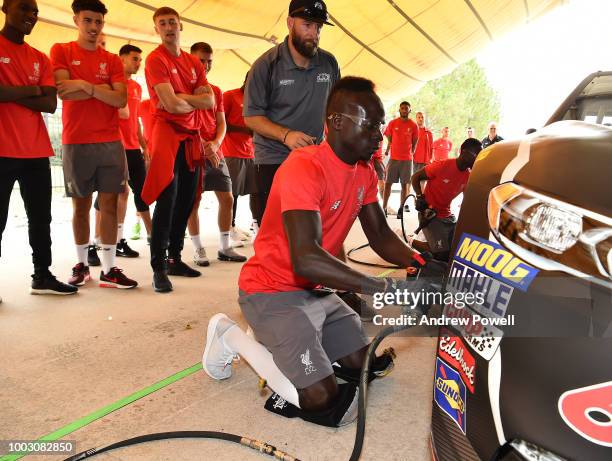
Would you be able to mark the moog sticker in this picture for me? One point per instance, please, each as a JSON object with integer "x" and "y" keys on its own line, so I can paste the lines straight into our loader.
{"x": 495, "y": 261}
{"x": 449, "y": 393}
{"x": 588, "y": 412}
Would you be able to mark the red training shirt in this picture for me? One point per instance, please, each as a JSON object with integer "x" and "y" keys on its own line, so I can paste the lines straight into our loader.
{"x": 235, "y": 144}
{"x": 208, "y": 117}
{"x": 422, "y": 152}
{"x": 312, "y": 178}
{"x": 22, "y": 131}
{"x": 146, "y": 115}
{"x": 445, "y": 183}
{"x": 441, "y": 148}
{"x": 378, "y": 154}
{"x": 185, "y": 73}
{"x": 129, "y": 126}
{"x": 91, "y": 120}
{"x": 402, "y": 134}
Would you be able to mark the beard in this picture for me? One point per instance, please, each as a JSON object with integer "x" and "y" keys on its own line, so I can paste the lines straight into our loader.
{"x": 306, "y": 49}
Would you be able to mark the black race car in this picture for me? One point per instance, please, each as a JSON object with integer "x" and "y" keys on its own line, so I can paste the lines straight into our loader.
{"x": 526, "y": 372}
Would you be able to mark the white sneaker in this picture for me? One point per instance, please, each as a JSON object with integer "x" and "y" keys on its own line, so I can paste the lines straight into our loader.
{"x": 217, "y": 358}
{"x": 237, "y": 235}
{"x": 200, "y": 258}
{"x": 244, "y": 232}
{"x": 236, "y": 240}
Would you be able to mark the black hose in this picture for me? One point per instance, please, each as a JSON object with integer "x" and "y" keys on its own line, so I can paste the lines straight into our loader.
{"x": 257, "y": 445}
{"x": 363, "y": 388}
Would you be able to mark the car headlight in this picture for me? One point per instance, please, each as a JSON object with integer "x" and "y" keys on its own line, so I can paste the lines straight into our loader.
{"x": 550, "y": 234}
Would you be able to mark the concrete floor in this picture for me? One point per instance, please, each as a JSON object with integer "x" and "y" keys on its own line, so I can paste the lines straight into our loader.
{"x": 65, "y": 357}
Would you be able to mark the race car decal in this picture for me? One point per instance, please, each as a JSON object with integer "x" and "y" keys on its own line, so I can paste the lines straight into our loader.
{"x": 484, "y": 339}
{"x": 449, "y": 393}
{"x": 495, "y": 261}
{"x": 495, "y": 294}
{"x": 588, "y": 412}
{"x": 453, "y": 350}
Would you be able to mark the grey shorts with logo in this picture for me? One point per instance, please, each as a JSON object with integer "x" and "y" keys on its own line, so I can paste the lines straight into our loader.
{"x": 306, "y": 331}
{"x": 439, "y": 233}
{"x": 399, "y": 171}
{"x": 94, "y": 167}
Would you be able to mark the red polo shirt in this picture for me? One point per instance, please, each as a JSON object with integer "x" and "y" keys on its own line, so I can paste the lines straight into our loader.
{"x": 236, "y": 144}
{"x": 312, "y": 178}
{"x": 129, "y": 126}
{"x": 445, "y": 183}
{"x": 185, "y": 73}
{"x": 23, "y": 133}
{"x": 441, "y": 148}
{"x": 402, "y": 134}
{"x": 423, "y": 151}
{"x": 91, "y": 120}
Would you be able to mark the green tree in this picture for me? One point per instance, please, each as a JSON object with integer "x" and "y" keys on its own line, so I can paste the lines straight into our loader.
{"x": 457, "y": 100}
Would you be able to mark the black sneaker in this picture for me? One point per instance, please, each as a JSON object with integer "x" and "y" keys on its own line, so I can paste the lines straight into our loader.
{"x": 124, "y": 250}
{"x": 161, "y": 282}
{"x": 92, "y": 256}
{"x": 179, "y": 268}
{"x": 230, "y": 255}
{"x": 47, "y": 284}
{"x": 115, "y": 278}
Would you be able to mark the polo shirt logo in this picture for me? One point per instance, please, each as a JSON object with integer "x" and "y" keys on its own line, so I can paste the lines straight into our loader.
{"x": 286, "y": 82}
{"x": 194, "y": 76}
{"x": 76, "y": 63}
{"x": 174, "y": 71}
{"x": 336, "y": 205}
{"x": 323, "y": 78}
{"x": 446, "y": 181}
{"x": 5, "y": 60}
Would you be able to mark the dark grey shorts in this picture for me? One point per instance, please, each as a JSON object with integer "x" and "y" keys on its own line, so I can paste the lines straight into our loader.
{"x": 242, "y": 172}
{"x": 306, "y": 331}
{"x": 399, "y": 171}
{"x": 416, "y": 166}
{"x": 217, "y": 179}
{"x": 98, "y": 167}
{"x": 379, "y": 167}
{"x": 439, "y": 233}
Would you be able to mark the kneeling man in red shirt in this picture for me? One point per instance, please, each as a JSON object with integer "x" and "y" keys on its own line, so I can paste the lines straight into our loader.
{"x": 301, "y": 327}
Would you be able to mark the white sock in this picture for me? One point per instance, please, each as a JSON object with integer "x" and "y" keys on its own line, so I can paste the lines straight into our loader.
{"x": 261, "y": 361}
{"x": 107, "y": 258}
{"x": 197, "y": 243}
{"x": 96, "y": 241}
{"x": 119, "y": 232}
{"x": 224, "y": 240}
{"x": 82, "y": 253}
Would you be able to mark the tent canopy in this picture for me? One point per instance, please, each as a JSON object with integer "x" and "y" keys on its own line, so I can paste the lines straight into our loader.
{"x": 399, "y": 44}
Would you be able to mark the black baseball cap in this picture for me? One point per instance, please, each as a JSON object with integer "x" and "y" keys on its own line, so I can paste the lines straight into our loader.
{"x": 307, "y": 9}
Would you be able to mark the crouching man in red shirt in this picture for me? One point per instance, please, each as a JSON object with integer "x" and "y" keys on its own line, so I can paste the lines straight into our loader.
{"x": 446, "y": 179}
{"x": 302, "y": 328}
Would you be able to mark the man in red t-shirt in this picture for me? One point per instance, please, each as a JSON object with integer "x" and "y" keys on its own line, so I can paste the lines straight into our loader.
{"x": 402, "y": 135}
{"x": 91, "y": 84}
{"x": 27, "y": 89}
{"x": 423, "y": 153}
{"x": 442, "y": 146}
{"x": 179, "y": 90}
{"x": 239, "y": 154}
{"x": 216, "y": 177}
{"x": 301, "y": 329}
{"x": 132, "y": 140}
{"x": 446, "y": 179}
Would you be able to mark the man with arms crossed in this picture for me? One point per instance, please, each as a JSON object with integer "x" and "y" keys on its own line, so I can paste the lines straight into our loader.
{"x": 178, "y": 89}
{"x": 27, "y": 89}
{"x": 91, "y": 84}
{"x": 301, "y": 329}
